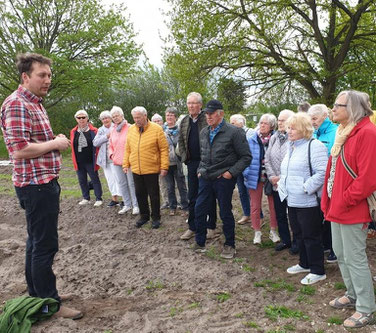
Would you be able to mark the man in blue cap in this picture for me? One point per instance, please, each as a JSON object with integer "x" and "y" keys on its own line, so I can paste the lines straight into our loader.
{"x": 224, "y": 155}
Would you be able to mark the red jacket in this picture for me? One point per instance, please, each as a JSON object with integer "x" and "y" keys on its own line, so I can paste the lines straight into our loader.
{"x": 348, "y": 204}
{"x": 93, "y": 131}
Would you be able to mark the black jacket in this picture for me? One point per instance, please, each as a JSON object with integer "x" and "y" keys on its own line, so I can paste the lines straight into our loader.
{"x": 228, "y": 152}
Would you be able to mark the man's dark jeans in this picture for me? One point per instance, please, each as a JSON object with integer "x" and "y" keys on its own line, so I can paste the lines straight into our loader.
{"x": 209, "y": 190}
{"x": 41, "y": 204}
{"x": 192, "y": 197}
{"x": 148, "y": 186}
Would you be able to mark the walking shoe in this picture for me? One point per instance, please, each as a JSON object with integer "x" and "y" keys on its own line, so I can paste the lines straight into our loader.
{"x": 84, "y": 202}
{"x": 281, "y": 247}
{"x": 312, "y": 278}
{"x": 212, "y": 233}
{"x": 155, "y": 224}
{"x": 257, "y": 238}
{"x": 274, "y": 236}
{"x": 121, "y": 204}
{"x": 140, "y": 223}
{"x": 244, "y": 220}
{"x": 135, "y": 211}
{"x": 293, "y": 250}
{"x": 199, "y": 249}
{"x": 113, "y": 203}
{"x": 187, "y": 235}
{"x": 371, "y": 234}
{"x": 69, "y": 313}
{"x": 165, "y": 205}
{"x": 124, "y": 210}
{"x": 184, "y": 213}
{"x": 297, "y": 269}
{"x": 332, "y": 258}
{"x": 172, "y": 212}
{"x": 228, "y": 252}
{"x": 98, "y": 203}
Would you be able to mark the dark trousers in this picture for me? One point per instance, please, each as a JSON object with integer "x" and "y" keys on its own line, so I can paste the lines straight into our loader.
{"x": 210, "y": 190}
{"x": 327, "y": 236}
{"x": 192, "y": 197}
{"x": 243, "y": 195}
{"x": 148, "y": 186}
{"x": 85, "y": 169}
{"x": 282, "y": 220}
{"x": 306, "y": 224}
{"x": 41, "y": 205}
{"x": 175, "y": 174}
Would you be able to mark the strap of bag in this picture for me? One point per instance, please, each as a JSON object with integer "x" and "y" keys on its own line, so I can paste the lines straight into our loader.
{"x": 310, "y": 167}
{"x": 347, "y": 167}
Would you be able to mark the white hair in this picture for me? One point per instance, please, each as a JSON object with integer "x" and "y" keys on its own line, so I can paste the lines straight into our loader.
{"x": 287, "y": 112}
{"x": 239, "y": 118}
{"x": 156, "y": 116}
{"x": 318, "y": 110}
{"x": 195, "y": 94}
{"x": 81, "y": 112}
{"x": 104, "y": 114}
{"x": 139, "y": 109}
{"x": 271, "y": 119}
{"x": 117, "y": 110}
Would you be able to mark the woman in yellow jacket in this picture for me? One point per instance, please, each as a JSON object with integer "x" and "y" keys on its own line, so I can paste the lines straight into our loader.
{"x": 146, "y": 152}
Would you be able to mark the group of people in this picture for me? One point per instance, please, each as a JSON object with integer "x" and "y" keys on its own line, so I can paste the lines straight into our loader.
{"x": 315, "y": 174}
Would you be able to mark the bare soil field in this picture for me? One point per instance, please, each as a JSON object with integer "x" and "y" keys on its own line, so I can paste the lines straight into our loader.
{"x": 142, "y": 280}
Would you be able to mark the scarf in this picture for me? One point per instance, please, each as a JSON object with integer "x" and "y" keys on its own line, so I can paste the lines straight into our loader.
{"x": 120, "y": 126}
{"x": 341, "y": 136}
{"x": 82, "y": 142}
{"x": 282, "y": 137}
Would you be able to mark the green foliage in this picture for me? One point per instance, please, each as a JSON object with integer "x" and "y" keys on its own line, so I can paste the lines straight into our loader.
{"x": 335, "y": 321}
{"x": 307, "y": 290}
{"x": 194, "y": 305}
{"x": 250, "y": 324}
{"x": 154, "y": 285}
{"x": 274, "y": 312}
{"x": 223, "y": 297}
{"x": 277, "y": 285}
{"x": 339, "y": 286}
{"x": 232, "y": 94}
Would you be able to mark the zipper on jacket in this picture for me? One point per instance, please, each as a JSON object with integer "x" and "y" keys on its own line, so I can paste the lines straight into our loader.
{"x": 139, "y": 160}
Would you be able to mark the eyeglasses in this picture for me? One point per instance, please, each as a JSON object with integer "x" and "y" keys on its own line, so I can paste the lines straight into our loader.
{"x": 80, "y": 117}
{"x": 335, "y": 105}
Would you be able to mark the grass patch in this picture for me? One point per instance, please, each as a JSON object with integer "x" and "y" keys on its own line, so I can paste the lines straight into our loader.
{"x": 174, "y": 311}
{"x": 239, "y": 315}
{"x": 335, "y": 321}
{"x": 238, "y": 260}
{"x": 247, "y": 268}
{"x": 273, "y": 286}
{"x": 223, "y": 297}
{"x": 250, "y": 324}
{"x": 339, "y": 286}
{"x": 194, "y": 305}
{"x": 274, "y": 312}
{"x": 266, "y": 245}
{"x": 154, "y": 285}
{"x": 307, "y": 290}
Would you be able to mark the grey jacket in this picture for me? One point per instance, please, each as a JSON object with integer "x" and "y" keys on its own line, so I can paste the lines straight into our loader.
{"x": 229, "y": 151}
{"x": 101, "y": 140}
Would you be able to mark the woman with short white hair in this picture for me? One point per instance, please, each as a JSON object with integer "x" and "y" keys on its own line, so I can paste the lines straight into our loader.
{"x": 125, "y": 183}
{"x": 101, "y": 140}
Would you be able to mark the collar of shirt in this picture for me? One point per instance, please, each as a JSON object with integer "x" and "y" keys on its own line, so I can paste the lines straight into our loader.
{"x": 213, "y": 133}
{"x": 29, "y": 95}
{"x": 195, "y": 119}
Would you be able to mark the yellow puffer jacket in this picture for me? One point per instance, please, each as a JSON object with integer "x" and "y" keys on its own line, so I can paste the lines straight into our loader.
{"x": 146, "y": 152}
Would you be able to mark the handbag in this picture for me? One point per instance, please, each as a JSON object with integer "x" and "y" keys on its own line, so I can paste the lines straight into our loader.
{"x": 268, "y": 187}
{"x": 371, "y": 200}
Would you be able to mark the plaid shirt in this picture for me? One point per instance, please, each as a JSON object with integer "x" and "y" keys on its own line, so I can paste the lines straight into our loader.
{"x": 24, "y": 120}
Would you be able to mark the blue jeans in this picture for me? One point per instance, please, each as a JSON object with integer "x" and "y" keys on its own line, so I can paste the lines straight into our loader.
{"x": 210, "y": 190}
{"x": 85, "y": 169}
{"x": 175, "y": 174}
{"x": 243, "y": 195}
{"x": 41, "y": 205}
{"x": 192, "y": 197}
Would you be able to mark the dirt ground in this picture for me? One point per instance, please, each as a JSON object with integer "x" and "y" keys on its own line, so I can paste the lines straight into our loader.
{"x": 142, "y": 280}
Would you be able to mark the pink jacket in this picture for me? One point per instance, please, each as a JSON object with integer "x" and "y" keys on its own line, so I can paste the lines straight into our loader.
{"x": 116, "y": 145}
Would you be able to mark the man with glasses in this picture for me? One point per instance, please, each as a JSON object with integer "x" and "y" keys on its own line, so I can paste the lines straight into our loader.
{"x": 189, "y": 151}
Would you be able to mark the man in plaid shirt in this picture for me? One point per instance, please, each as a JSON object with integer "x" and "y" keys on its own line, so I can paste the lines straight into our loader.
{"x": 35, "y": 153}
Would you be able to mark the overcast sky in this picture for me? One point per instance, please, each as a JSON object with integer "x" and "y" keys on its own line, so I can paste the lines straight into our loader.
{"x": 148, "y": 22}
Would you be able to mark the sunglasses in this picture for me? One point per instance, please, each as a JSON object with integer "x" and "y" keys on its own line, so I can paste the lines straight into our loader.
{"x": 81, "y": 117}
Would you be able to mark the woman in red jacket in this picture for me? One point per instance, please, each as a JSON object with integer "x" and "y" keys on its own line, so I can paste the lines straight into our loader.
{"x": 344, "y": 202}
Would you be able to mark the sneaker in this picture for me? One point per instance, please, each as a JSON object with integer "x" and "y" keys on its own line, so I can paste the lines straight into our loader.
{"x": 228, "y": 252}
{"x": 332, "y": 258}
{"x": 212, "y": 233}
{"x": 281, "y": 247}
{"x": 274, "y": 236}
{"x": 165, "y": 206}
{"x": 244, "y": 220}
{"x": 297, "y": 269}
{"x": 312, "y": 278}
{"x": 84, "y": 202}
{"x": 124, "y": 210}
{"x": 113, "y": 203}
{"x": 69, "y": 313}
{"x": 257, "y": 238}
{"x": 155, "y": 224}
{"x": 98, "y": 203}
{"x": 187, "y": 235}
{"x": 135, "y": 211}
{"x": 199, "y": 249}
{"x": 140, "y": 223}
{"x": 172, "y": 212}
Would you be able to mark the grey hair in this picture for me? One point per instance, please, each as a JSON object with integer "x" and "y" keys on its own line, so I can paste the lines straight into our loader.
{"x": 238, "y": 118}
{"x": 118, "y": 110}
{"x": 105, "y": 114}
{"x": 358, "y": 105}
{"x": 303, "y": 107}
{"x": 172, "y": 109}
{"x": 195, "y": 94}
{"x": 139, "y": 109}
{"x": 156, "y": 116}
{"x": 287, "y": 112}
{"x": 318, "y": 110}
{"x": 81, "y": 112}
{"x": 271, "y": 119}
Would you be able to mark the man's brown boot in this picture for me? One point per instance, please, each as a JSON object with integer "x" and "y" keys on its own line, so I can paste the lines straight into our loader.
{"x": 69, "y": 313}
